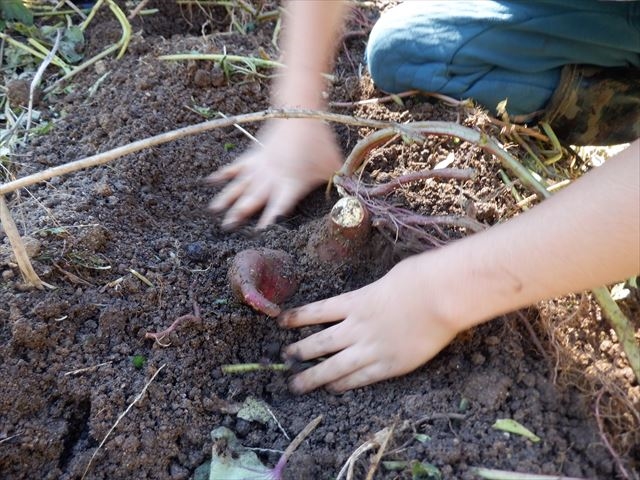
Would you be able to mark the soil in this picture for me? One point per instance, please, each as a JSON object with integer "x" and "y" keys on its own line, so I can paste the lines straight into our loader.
{"x": 73, "y": 359}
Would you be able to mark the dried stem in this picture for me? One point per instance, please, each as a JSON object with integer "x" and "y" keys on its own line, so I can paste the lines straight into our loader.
{"x": 122, "y": 415}
{"x": 416, "y": 130}
{"x": 28, "y": 273}
{"x": 443, "y": 173}
{"x": 605, "y": 440}
{"x": 38, "y": 76}
{"x": 442, "y": 128}
{"x": 293, "y": 446}
{"x": 375, "y": 101}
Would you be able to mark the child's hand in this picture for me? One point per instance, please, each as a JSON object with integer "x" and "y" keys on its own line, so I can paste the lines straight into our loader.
{"x": 385, "y": 329}
{"x": 295, "y": 157}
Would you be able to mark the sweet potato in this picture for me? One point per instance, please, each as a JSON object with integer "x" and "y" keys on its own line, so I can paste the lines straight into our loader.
{"x": 263, "y": 278}
{"x": 343, "y": 231}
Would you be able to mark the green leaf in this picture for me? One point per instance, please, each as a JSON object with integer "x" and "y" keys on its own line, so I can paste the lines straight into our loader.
{"x": 138, "y": 361}
{"x": 424, "y": 471}
{"x": 511, "y": 426}
{"x": 230, "y": 460}
{"x": 14, "y": 10}
{"x": 71, "y": 42}
{"x": 422, "y": 437}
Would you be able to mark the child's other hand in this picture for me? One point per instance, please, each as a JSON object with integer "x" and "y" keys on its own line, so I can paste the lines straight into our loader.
{"x": 385, "y": 329}
{"x": 295, "y": 157}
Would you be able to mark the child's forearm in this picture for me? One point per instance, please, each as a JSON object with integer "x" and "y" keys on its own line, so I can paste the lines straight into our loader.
{"x": 310, "y": 30}
{"x": 583, "y": 237}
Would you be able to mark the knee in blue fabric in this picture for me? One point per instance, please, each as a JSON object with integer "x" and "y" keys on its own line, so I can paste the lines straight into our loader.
{"x": 494, "y": 50}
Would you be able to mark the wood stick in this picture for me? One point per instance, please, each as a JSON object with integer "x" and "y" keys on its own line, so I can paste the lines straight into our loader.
{"x": 423, "y": 128}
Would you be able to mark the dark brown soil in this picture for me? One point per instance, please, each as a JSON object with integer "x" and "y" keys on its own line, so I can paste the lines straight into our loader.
{"x": 147, "y": 212}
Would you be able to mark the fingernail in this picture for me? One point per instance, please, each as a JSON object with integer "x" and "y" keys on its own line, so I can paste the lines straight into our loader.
{"x": 295, "y": 386}
{"x": 231, "y": 224}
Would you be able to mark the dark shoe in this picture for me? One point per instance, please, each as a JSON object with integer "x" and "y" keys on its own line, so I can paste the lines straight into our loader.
{"x": 596, "y": 106}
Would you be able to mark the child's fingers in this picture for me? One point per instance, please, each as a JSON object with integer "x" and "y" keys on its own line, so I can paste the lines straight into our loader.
{"x": 329, "y": 310}
{"x": 332, "y": 369}
{"x": 228, "y": 196}
{"x": 279, "y": 204}
{"x": 365, "y": 376}
{"x": 330, "y": 340}
{"x": 225, "y": 174}
{"x": 245, "y": 206}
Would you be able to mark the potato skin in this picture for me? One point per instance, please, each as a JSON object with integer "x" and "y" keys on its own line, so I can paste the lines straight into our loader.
{"x": 263, "y": 278}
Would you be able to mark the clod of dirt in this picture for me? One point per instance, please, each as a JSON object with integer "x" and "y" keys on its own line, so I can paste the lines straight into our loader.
{"x": 263, "y": 278}
{"x": 18, "y": 92}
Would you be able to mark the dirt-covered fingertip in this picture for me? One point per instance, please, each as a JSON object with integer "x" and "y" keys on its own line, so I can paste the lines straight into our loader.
{"x": 296, "y": 386}
{"x": 287, "y": 318}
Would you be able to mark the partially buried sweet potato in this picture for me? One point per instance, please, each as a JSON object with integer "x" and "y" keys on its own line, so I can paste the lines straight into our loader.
{"x": 343, "y": 232}
{"x": 263, "y": 278}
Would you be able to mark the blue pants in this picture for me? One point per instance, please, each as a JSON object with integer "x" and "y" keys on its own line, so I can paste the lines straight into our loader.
{"x": 491, "y": 50}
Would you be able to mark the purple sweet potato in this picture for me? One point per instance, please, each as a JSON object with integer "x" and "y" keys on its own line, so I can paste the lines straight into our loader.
{"x": 263, "y": 278}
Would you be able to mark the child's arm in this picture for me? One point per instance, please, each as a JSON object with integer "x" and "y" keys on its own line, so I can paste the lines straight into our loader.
{"x": 585, "y": 236}
{"x": 296, "y": 155}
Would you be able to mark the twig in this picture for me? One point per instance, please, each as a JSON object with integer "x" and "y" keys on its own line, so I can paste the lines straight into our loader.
{"x": 220, "y": 57}
{"x": 383, "y": 446}
{"x": 254, "y": 367}
{"x": 441, "y": 416}
{"x": 390, "y": 129}
{"x": 278, "y": 424}
{"x": 377, "y": 440}
{"x": 122, "y": 415}
{"x": 416, "y": 130}
{"x": 535, "y": 339}
{"x": 375, "y": 101}
{"x": 73, "y": 7}
{"x": 6, "y": 439}
{"x": 38, "y": 76}
{"x": 159, "y": 336}
{"x": 491, "y": 474}
{"x": 293, "y": 446}
{"x": 87, "y": 369}
{"x": 137, "y": 10}
{"x": 22, "y": 258}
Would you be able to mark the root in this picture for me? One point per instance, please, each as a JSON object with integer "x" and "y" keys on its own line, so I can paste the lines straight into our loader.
{"x": 159, "y": 336}
{"x": 614, "y": 454}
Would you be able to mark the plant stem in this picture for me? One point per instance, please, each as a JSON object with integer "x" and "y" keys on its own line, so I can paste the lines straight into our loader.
{"x": 219, "y": 57}
{"x": 29, "y": 274}
{"x": 254, "y": 367}
{"x": 295, "y": 443}
{"x": 390, "y": 129}
{"x": 621, "y": 325}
